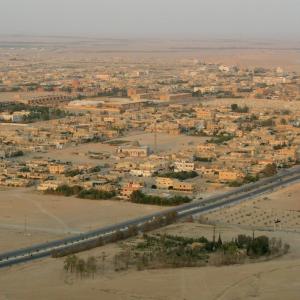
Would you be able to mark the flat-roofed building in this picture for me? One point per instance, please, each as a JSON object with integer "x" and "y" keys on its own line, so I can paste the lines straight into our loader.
{"x": 183, "y": 165}
{"x": 174, "y": 184}
{"x": 129, "y": 188}
{"x": 57, "y": 168}
{"x": 169, "y": 97}
{"x": 141, "y": 151}
{"x": 231, "y": 175}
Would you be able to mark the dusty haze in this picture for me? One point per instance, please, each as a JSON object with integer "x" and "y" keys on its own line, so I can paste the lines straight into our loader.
{"x": 136, "y": 18}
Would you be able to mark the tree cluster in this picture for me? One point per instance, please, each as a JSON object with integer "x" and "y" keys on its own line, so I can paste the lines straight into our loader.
{"x": 81, "y": 267}
{"x": 140, "y": 197}
{"x": 221, "y": 138}
{"x": 182, "y": 175}
{"x": 165, "y": 251}
{"x": 93, "y": 194}
{"x": 236, "y": 108}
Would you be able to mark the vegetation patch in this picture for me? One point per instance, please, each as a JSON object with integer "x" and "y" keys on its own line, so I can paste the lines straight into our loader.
{"x": 221, "y": 138}
{"x": 183, "y": 175}
{"x": 117, "y": 142}
{"x": 36, "y": 113}
{"x": 203, "y": 159}
{"x": 169, "y": 251}
{"x": 239, "y": 109}
{"x": 159, "y": 251}
{"x": 140, "y": 197}
{"x": 268, "y": 171}
{"x": 93, "y": 194}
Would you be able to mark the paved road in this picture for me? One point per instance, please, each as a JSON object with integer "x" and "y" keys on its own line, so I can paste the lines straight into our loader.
{"x": 198, "y": 206}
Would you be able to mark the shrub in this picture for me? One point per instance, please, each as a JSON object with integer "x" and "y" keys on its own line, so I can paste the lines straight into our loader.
{"x": 183, "y": 175}
{"x": 94, "y": 194}
{"x": 65, "y": 190}
{"x": 269, "y": 170}
{"x": 140, "y": 197}
{"x": 259, "y": 246}
{"x": 239, "y": 109}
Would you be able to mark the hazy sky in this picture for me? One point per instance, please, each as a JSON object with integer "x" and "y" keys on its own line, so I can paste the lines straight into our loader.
{"x": 152, "y": 18}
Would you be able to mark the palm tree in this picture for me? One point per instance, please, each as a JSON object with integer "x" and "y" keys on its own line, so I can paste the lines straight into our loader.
{"x": 91, "y": 265}
{"x": 70, "y": 263}
{"x": 81, "y": 267}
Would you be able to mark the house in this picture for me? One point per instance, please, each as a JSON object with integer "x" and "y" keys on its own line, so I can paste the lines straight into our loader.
{"x": 184, "y": 166}
{"x": 140, "y": 173}
{"x": 57, "y": 168}
{"x": 138, "y": 151}
{"x": 48, "y": 185}
{"x": 205, "y": 114}
{"x": 230, "y": 175}
{"x": 182, "y": 186}
{"x": 164, "y": 182}
{"x": 129, "y": 188}
{"x": 206, "y": 151}
{"x": 174, "y": 184}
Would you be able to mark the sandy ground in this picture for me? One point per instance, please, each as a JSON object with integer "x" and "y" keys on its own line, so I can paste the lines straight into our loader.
{"x": 288, "y": 59}
{"x": 166, "y": 142}
{"x": 282, "y": 205}
{"x": 256, "y": 104}
{"x": 28, "y": 217}
{"x": 270, "y": 280}
{"x": 78, "y": 154}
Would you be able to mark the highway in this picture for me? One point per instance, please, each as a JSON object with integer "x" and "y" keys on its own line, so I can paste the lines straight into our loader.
{"x": 197, "y": 207}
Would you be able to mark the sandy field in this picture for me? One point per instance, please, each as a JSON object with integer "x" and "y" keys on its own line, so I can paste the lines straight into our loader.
{"x": 77, "y": 154}
{"x": 264, "y": 212}
{"x": 243, "y": 52}
{"x": 28, "y": 217}
{"x": 249, "y": 58}
{"x": 166, "y": 142}
{"x": 257, "y": 103}
{"x": 268, "y": 280}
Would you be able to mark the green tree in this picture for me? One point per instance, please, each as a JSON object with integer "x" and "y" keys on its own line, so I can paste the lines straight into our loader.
{"x": 91, "y": 265}
{"x": 70, "y": 263}
{"x": 81, "y": 267}
{"x": 269, "y": 170}
{"x": 234, "y": 107}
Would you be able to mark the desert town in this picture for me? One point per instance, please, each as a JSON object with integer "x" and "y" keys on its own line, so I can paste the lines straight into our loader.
{"x": 126, "y": 113}
{"x": 90, "y": 140}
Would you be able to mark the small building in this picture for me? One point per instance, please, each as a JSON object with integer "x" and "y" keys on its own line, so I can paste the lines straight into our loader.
{"x": 174, "y": 184}
{"x": 230, "y": 175}
{"x": 184, "y": 166}
{"x": 140, "y": 151}
{"x": 129, "y": 188}
{"x": 48, "y": 185}
{"x": 57, "y": 168}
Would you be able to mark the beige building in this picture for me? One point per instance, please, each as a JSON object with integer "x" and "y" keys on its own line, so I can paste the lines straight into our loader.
{"x": 205, "y": 114}
{"x": 57, "y": 168}
{"x": 230, "y": 175}
{"x": 184, "y": 166}
{"x": 174, "y": 184}
{"x": 129, "y": 188}
{"x": 134, "y": 151}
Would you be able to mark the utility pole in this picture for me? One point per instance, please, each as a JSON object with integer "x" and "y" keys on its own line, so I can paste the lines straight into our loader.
{"x": 155, "y": 132}
{"x": 25, "y": 225}
{"x": 155, "y": 136}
